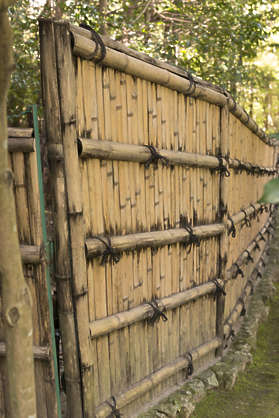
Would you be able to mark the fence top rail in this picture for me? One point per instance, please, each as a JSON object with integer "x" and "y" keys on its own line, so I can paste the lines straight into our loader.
{"x": 116, "y": 55}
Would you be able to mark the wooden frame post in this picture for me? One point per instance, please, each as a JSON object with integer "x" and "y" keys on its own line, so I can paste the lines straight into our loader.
{"x": 63, "y": 268}
{"x": 224, "y": 237}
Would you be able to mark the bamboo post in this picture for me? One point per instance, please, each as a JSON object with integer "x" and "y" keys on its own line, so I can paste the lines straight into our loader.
{"x": 223, "y": 249}
{"x": 67, "y": 99}
{"x": 63, "y": 273}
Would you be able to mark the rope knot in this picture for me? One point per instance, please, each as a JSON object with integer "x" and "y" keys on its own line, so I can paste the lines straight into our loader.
{"x": 194, "y": 239}
{"x": 232, "y": 229}
{"x": 114, "y": 411}
{"x": 155, "y": 157}
{"x": 110, "y": 254}
{"x": 157, "y": 312}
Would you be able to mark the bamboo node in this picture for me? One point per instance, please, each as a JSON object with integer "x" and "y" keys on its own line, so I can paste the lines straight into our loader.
{"x": 114, "y": 411}
{"x": 157, "y": 312}
{"x": 155, "y": 157}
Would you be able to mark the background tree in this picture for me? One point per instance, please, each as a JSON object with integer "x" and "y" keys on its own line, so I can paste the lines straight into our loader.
{"x": 16, "y": 298}
{"x": 217, "y": 40}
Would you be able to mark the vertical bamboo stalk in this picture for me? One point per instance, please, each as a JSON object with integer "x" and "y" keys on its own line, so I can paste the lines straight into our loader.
{"x": 223, "y": 251}
{"x": 67, "y": 96}
{"x": 63, "y": 264}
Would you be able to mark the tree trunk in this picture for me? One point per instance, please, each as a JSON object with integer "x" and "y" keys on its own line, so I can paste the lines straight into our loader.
{"x": 103, "y": 6}
{"x": 16, "y": 298}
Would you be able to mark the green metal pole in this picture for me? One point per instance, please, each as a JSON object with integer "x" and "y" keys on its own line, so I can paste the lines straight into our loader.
{"x": 46, "y": 245}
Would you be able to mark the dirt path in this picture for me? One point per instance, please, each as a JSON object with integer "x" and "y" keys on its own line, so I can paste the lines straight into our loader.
{"x": 256, "y": 392}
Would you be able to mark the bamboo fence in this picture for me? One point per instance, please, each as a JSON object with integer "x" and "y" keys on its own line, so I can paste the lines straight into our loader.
{"x": 23, "y": 163}
{"x": 156, "y": 178}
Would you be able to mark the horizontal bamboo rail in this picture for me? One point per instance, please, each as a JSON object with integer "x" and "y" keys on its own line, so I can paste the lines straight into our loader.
{"x": 138, "y": 65}
{"x": 152, "y": 239}
{"x": 109, "y": 150}
{"x": 157, "y": 377}
{"x": 123, "y": 319}
{"x": 90, "y": 148}
{"x": 30, "y": 254}
{"x": 20, "y": 132}
{"x": 250, "y": 168}
{"x": 251, "y": 210}
{"x": 85, "y": 47}
{"x": 244, "y": 257}
{"x": 21, "y": 144}
{"x": 233, "y": 318}
{"x": 39, "y": 352}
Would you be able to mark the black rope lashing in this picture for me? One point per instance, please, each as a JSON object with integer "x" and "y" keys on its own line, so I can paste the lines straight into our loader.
{"x": 193, "y": 238}
{"x": 254, "y": 215}
{"x": 190, "y": 89}
{"x": 249, "y": 257}
{"x": 243, "y": 310}
{"x": 157, "y": 312}
{"x": 114, "y": 411}
{"x": 246, "y": 220}
{"x": 262, "y": 238}
{"x": 219, "y": 288}
{"x": 237, "y": 271}
{"x": 240, "y": 167}
{"x": 98, "y": 41}
{"x": 155, "y": 157}
{"x": 109, "y": 254}
{"x": 259, "y": 274}
{"x": 263, "y": 262}
{"x": 250, "y": 281}
{"x": 232, "y": 229}
{"x": 257, "y": 247}
{"x": 223, "y": 168}
{"x": 230, "y": 335}
{"x": 190, "y": 367}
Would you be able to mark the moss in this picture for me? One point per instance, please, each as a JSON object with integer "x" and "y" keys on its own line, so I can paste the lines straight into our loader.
{"x": 255, "y": 393}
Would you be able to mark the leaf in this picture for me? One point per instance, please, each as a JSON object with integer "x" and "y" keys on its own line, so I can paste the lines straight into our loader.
{"x": 271, "y": 192}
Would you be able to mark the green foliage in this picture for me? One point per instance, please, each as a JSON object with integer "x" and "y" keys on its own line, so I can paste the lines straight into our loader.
{"x": 271, "y": 192}
{"x": 218, "y": 40}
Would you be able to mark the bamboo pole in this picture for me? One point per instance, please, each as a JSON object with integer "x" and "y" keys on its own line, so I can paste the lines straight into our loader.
{"x": 67, "y": 100}
{"x": 30, "y": 254}
{"x": 20, "y": 132}
{"x": 90, "y": 148}
{"x": 223, "y": 243}
{"x": 84, "y": 47}
{"x": 63, "y": 272}
{"x": 39, "y": 352}
{"x": 156, "y": 239}
{"x": 21, "y": 144}
{"x": 145, "y": 311}
{"x": 150, "y": 382}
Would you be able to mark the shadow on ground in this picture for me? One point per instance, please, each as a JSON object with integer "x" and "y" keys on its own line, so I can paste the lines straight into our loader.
{"x": 256, "y": 392}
